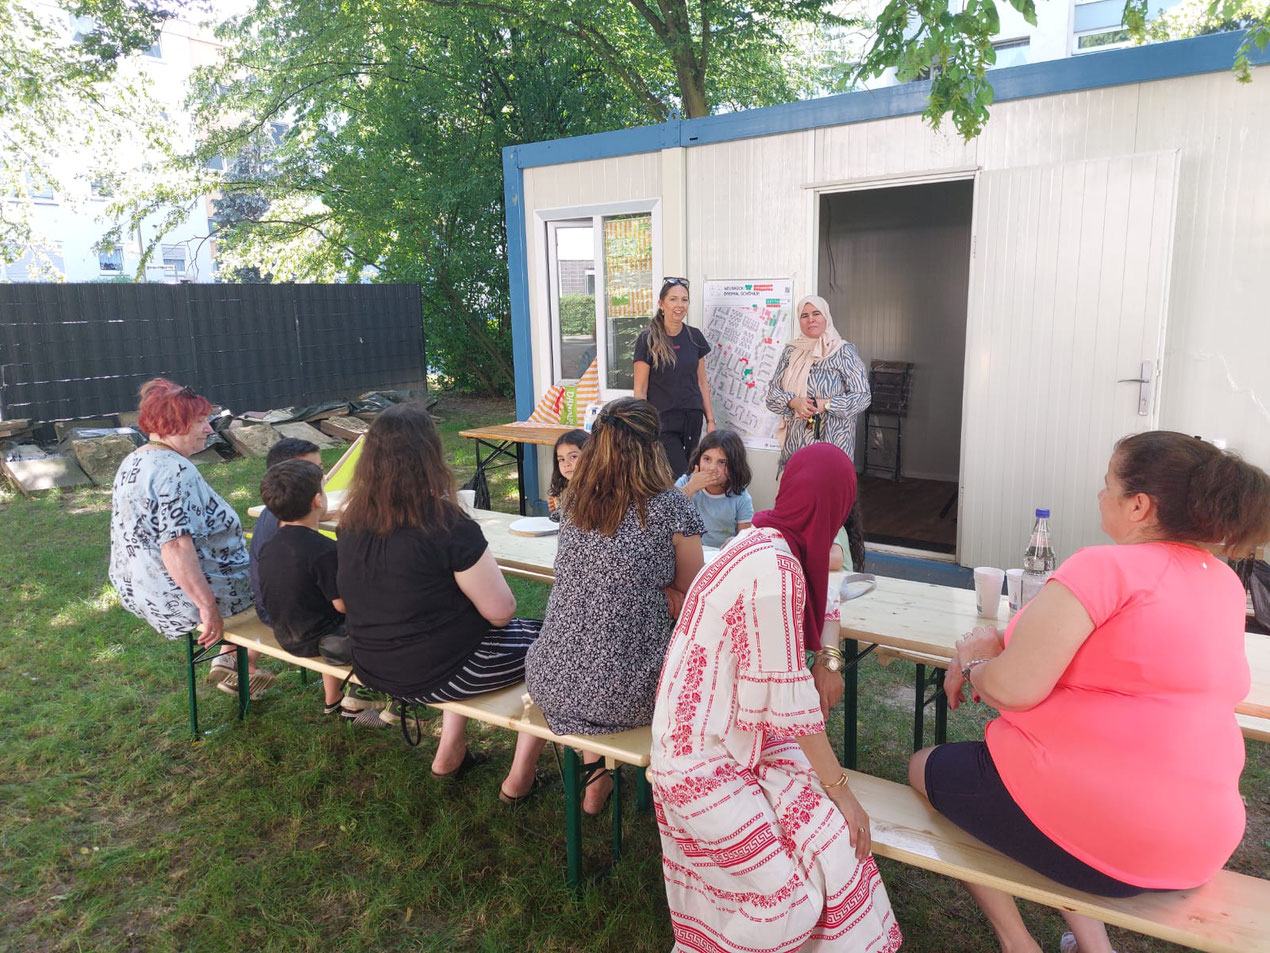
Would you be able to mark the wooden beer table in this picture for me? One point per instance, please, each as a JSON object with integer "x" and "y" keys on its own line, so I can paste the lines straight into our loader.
{"x": 507, "y": 441}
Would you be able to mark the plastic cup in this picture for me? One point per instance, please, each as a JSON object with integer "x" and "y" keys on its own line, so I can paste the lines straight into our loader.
{"x": 988, "y": 591}
{"x": 467, "y": 500}
{"x": 1014, "y": 586}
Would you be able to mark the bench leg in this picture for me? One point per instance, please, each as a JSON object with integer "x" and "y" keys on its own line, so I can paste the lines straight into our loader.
{"x": 244, "y": 683}
{"x": 192, "y": 683}
{"x": 573, "y": 817}
{"x": 643, "y": 792}
{"x": 850, "y": 701}
{"x": 304, "y": 675}
{"x": 941, "y": 712}
{"x": 919, "y": 708}
{"x": 617, "y": 813}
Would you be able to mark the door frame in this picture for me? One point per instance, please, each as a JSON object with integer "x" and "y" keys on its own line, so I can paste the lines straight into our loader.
{"x": 814, "y": 191}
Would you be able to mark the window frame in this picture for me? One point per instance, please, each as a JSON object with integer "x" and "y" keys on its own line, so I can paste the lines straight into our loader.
{"x": 547, "y": 364}
{"x": 113, "y": 251}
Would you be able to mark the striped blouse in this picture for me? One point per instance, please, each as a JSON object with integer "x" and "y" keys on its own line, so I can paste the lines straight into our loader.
{"x": 842, "y": 378}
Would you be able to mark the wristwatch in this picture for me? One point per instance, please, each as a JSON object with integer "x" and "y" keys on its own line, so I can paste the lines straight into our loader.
{"x": 829, "y": 658}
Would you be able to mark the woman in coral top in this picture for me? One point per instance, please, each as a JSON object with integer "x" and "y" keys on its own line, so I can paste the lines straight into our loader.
{"x": 1114, "y": 767}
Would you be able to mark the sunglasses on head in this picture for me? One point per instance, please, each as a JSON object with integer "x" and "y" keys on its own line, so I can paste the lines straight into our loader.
{"x": 675, "y": 281}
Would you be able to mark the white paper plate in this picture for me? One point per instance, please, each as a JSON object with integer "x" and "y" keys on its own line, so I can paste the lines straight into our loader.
{"x": 534, "y": 526}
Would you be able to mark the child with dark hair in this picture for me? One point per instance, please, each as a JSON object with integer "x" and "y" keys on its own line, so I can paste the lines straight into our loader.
{"x": 297, "y": 571}
{"x": 565, "y": 456}
{"x": 716, "y": 482}
{"x": 289, "y": 448}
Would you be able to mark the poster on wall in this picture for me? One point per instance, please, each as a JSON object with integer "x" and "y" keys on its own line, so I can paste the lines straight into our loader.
{"x": 747, "y": 323}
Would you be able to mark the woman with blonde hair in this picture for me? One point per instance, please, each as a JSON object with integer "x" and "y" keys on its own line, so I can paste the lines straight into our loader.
{"x": 820, "y": 385}
{"x": 630, "y": 545}
{"x": 670, "y": 372}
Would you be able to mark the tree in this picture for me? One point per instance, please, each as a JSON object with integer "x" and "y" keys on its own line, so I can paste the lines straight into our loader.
{"x": 396, "y": 114}
{"x": 924, "y": 38}
{"x": 50, "y": 94}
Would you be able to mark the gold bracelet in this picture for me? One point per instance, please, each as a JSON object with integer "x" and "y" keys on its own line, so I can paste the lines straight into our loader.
{"x": 840, "y": 783}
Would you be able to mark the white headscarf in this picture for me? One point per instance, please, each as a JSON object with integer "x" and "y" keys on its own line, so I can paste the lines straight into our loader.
{"x": 805, "y": 351}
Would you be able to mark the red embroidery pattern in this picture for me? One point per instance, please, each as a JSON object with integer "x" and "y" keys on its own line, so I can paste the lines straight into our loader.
{"x": 766, "y": 901}
{"x": 694, "y": 788}
{"x": 734, "y": 623}
{"x": 796, "y": 815}
{"x": 689, "y": 699}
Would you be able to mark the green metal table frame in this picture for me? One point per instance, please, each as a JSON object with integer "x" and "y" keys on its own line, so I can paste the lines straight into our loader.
{"x": 928, "y": 692}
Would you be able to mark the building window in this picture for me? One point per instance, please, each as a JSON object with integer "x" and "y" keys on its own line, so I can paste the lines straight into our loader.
{"x": 101, "y": 188}
{"x": 1011, "y": 53}
{"x": 629, "y": 296}
{"x": 45, "y": 264}
{"x": 110, "y": 260}
{"x": 215, "y": 163}
{"x": 156, "y": 50}
{"x": 81, "y": 28}
{"x": 39, "y": 189}
{"x": 174, "y": 260}
{"x": 615, "y": 255}
{"x": 1102, "y": 40}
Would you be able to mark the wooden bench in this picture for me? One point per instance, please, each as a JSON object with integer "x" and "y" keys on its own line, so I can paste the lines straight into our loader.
{"x": 506, "y": 708}
{"x": 1229, "y": 914}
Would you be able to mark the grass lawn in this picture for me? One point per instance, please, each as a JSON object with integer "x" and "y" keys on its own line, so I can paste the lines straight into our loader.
{"x": 289, "y": 832}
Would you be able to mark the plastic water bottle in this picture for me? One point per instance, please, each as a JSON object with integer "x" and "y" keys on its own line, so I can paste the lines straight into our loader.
{"x": 1039, "y": 562}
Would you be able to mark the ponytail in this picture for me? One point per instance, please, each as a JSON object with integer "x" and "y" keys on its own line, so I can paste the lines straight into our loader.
{"x": 1201, "y": 493}
{"x": 855, "y": 537}
{"x": 659, "y": 347}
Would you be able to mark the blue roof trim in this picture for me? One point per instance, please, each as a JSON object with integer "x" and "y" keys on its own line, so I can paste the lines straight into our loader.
{"x": 1202, "y": 54}
{"x": 518, "y": 273}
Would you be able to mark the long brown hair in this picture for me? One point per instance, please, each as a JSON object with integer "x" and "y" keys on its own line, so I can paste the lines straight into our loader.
{"x": 402, "y": 479}
{"x": 622, "y": 464}
{"x": 1201, "y": 494}
{"x": 660, "y": 349}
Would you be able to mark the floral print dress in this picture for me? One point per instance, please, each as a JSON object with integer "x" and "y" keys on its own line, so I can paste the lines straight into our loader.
{"x": 756, "y": 857}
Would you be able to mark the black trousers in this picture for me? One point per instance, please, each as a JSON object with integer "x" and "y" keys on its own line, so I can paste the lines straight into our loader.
{"x": 680, "y": 434}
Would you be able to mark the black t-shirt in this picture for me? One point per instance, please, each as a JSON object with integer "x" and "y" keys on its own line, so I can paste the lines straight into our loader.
{"x": 266, "y": 526}
{"x": 411, "y": 624}
{"x": 297, "y": 572}
{"x": 675, "y": 387}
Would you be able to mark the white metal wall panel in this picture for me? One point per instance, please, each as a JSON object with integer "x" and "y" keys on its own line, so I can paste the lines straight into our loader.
{"x": 1069, "y": 275}
{"x": 1217, "y": 356}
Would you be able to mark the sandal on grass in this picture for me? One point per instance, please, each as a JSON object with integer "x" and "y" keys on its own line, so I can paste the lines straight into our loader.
{"x": 470, "y": 760}
{"x": 518, "y": 800}
{"x": 258, "y": 683}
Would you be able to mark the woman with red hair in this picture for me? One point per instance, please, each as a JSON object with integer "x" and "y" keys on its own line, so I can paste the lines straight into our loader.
{"x": 177, "y": 555}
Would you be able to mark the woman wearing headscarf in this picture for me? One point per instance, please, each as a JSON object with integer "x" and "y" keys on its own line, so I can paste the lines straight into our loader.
{"x": 764, "y": 845}
{"x": 820, "y": 385}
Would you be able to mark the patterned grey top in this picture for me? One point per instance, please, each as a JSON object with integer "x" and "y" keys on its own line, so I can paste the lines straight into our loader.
{"x": 160, "y": 496}
{"x": 594, "y": 668}
{"x": 842, "y": 378}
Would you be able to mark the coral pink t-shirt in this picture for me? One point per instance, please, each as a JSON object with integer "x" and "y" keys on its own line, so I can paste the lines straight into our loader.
{"x": 1132, "y": 762}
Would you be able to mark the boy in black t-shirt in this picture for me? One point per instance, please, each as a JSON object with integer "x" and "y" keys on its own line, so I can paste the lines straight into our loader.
{"x": 297, "y": 572}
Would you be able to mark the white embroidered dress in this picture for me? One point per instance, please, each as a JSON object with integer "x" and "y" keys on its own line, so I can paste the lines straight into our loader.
{"x": 756, "y": 857}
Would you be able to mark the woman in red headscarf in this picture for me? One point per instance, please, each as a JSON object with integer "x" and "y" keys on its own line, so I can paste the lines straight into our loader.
{"x": 764, "y": 846}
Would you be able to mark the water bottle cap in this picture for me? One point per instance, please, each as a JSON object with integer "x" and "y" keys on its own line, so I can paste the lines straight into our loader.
{"x": 1043, "y": 514}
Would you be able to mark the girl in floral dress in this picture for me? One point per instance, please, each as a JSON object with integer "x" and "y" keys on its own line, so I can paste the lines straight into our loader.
{"x": 764, "y": 846}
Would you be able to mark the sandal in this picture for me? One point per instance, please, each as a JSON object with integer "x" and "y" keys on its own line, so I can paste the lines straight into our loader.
{"x": 470, "y": 761}
{"x": 258, "y": 683}
{"x": 518, "y": 800}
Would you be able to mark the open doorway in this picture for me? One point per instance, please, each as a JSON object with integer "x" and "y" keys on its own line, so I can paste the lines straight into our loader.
{"x": 894, "y": 265}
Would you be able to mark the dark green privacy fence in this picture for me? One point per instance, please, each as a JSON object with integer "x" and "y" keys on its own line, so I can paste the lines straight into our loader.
{"x": 82, "y": 350}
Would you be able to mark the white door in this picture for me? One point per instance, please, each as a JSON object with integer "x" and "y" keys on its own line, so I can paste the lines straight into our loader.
{"x": 1069, "y": 284}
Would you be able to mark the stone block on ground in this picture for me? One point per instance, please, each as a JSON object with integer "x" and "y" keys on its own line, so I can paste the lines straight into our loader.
{"x": 99, "y": 457}
{"x": 32, "y": 476}
{"x": 60, "y": 427}
{"x": 301, "y": 431}
{"x": 346, "y": 428}
{"x": 252, "y": 440}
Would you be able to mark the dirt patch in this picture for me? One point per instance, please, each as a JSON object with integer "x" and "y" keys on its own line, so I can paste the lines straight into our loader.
{"x": 457, "y": 405}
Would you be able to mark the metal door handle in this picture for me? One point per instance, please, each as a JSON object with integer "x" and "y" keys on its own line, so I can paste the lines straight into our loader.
{"x": 1144, "y": 383}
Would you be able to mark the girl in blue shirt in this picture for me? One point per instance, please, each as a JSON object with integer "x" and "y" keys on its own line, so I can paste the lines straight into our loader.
{"x": 716, "y": 481}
